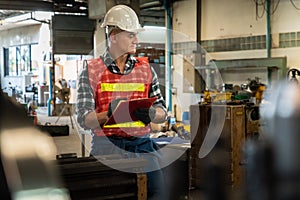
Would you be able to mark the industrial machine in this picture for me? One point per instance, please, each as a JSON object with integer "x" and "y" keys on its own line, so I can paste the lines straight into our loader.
{"x": 248, "y": 94}
{"x": 221, "y": 124}
{"x": 257, "y": 88}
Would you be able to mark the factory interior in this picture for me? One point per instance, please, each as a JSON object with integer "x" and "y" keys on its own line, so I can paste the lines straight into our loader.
{"x": 228, "y": 72}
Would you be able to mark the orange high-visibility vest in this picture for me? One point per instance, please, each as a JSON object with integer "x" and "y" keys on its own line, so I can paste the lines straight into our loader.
{"x": 108, "y": 86}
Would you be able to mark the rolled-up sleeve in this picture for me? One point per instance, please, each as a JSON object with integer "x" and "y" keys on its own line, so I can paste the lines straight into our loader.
{"x": 85, "y": 98}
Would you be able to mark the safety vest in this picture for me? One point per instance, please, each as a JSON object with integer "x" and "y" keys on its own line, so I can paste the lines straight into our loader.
{"x": 108, "y": 86}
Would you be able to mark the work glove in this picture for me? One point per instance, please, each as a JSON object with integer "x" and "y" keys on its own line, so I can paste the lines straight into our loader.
{"x": 113, "y": 104}
{"x": 146, "y": 115}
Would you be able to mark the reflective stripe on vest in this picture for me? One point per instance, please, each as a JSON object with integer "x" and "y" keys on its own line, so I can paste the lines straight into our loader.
{"x": 122, "y": 87}
{"x": 126, "y": 125}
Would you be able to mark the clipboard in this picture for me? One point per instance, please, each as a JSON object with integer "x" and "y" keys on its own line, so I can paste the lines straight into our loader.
{"x": 124, "y": 111}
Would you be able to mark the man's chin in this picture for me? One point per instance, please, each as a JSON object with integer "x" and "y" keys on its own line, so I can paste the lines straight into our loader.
{"x": 132, "y": 51}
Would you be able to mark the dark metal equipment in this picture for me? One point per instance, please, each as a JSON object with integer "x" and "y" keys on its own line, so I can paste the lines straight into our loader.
{"x": 227, "y": 150}
{"x": 55, "y": 130}
{"x": 88, "y": 178}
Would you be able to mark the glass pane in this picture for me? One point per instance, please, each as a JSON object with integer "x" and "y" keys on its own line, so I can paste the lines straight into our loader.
{"x": 36, "y": 58}
{"x": 25, "y": 59}
{"x": 12, "y": 61}
{"x": 18, "y": 60}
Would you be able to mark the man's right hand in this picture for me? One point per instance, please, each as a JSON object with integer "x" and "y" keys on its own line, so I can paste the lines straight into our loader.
{"x": 113, "y": 104}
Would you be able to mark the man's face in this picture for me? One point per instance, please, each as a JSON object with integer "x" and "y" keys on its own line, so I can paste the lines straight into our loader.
{"x": 125, "y": 41}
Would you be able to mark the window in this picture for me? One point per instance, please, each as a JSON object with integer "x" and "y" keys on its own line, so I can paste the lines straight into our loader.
{"x": 18, "y": 60}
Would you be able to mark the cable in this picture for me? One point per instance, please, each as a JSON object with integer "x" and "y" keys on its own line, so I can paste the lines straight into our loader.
{"x": 292, "y": 2}
{"x": 276, "y": 6}
{"x": 263, "y": 3}
{"x": 256, "y": 6}
{"x": 260, "y": 4}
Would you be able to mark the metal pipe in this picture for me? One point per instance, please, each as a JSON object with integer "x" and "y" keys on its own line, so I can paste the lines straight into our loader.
{"x": 168, "y": 55}
{"x": 268, "y": 35}
{"x": 199, "y": 21}
{"x": 50, "y": 91}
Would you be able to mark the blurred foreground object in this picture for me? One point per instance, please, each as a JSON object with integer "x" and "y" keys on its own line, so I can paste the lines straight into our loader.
{"x": 26, "y": 156}
{"x": 291, "y": 75}
{"x": 274, "y": 163}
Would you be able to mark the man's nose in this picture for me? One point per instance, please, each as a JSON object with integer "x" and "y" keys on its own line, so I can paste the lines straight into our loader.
{"x": 135, "y": 39}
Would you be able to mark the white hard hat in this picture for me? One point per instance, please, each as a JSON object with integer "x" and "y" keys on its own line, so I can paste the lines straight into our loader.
{"x": 123, "y": 17}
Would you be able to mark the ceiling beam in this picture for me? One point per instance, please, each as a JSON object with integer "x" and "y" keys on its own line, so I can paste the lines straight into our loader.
{"x": 39, "y": 5}
{"x": 26, "y": 5}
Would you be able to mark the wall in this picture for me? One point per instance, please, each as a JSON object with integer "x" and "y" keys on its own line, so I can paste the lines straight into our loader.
{"x": 239, "y": 19}
{"x": 233, "y": 19}
{"x": 37, "y": 33}
{"x": 183, "y": 95}
{"x": 184, "y": 20}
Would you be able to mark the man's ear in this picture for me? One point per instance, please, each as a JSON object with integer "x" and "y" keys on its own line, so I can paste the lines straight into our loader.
{"x": 113, "y": 38}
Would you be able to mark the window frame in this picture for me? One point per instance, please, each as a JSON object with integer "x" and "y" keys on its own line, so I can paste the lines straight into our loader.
{"x": 18, "y": 59}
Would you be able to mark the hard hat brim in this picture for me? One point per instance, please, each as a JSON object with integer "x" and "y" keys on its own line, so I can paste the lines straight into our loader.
{"x": 137, "y": 30}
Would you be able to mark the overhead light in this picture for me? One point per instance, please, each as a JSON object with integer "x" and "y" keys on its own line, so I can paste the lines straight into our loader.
{"x": 82, "y": 8}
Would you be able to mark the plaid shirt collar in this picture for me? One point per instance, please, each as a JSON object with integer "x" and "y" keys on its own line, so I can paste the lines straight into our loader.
{"x": 112, "y": 66}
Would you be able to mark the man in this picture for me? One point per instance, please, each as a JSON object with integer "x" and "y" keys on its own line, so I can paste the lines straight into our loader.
{"x": 115, "y": 76}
